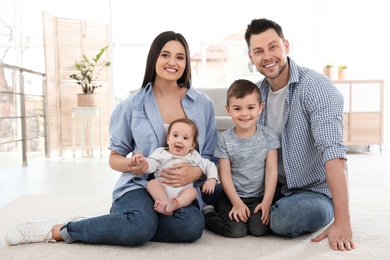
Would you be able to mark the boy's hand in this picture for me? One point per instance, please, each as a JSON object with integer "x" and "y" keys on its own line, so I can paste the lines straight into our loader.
{"x": 239, "y": 213}
{"x": 265, "y": 212}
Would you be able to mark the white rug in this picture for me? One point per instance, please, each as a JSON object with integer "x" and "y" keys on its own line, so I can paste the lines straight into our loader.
{"x": 370, "y": 221}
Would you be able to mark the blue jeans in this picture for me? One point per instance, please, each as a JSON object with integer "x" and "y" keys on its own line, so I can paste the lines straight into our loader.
{"x": 300, "y": 212}
{"x": 133, "y": 221}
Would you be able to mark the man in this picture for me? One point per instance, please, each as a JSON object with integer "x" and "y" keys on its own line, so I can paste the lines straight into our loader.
{"x": 306, "y": 111}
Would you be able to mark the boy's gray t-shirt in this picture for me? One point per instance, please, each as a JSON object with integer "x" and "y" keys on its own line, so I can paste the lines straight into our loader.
{"x": 247, "y": 158}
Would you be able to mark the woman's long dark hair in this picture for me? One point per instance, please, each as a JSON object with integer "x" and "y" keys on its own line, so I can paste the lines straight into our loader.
{"x": 154, "y": 52}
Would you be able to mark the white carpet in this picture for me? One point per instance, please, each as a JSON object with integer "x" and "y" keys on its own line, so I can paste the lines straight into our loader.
{"x": 370, "y": 223}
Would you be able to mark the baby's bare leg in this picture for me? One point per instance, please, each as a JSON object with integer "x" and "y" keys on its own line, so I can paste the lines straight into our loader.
{"x": 157, "y": 191}
{"x": 172, "y": 205}
{"x": 185, "y": 198}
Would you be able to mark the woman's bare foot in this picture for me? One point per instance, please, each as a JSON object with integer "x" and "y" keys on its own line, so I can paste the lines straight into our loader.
{"x": 55, "y": 232}
{"x": 160, "y": 207}
{"x": 173, "y": 205}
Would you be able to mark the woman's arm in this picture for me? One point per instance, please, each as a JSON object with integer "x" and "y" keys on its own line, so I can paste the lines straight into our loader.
{"x": 121, "y": 163}
{"x": 211, "y": 134}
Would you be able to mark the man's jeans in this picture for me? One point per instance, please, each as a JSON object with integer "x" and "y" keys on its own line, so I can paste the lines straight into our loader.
{"x": 133, "y": 221}
{"x": 300, "y": 212}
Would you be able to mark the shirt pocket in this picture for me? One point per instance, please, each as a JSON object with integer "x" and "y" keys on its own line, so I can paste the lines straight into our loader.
{"x": 143, "y": 133}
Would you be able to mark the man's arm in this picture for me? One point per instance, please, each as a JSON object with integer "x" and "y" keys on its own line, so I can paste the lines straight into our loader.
{"x": 339, "y": 233}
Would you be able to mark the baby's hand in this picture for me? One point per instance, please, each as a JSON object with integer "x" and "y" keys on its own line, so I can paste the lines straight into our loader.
{"x": 209, "y": 186}
{"x": 137, "y": 164}
{"x": 138, "y": 158}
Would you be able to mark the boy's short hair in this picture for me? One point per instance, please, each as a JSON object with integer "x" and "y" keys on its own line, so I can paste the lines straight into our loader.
{"x": 241, "y": 88}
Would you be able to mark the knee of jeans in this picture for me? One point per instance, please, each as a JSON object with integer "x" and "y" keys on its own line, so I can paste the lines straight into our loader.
{"x": 237, "y": 233}
{"x": 260, "y": 231}
{"x": 137, "y": 236}
{"x": 280, "y": 224}
{"x": 198, "y": 224}
{"x": 194, "y": 234}
{"x": 282, "y": 230}
{"x": 291, "y": 221}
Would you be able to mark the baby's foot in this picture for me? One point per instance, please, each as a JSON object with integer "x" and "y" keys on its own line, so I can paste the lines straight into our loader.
{"x": 173, "y": 205}
{"x": 160, "y": 207}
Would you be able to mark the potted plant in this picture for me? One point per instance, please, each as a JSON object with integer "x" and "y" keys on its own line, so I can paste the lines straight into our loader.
{"x": 328, "y": 70}
{"x": 89, "y": 70}
{"x": 341, "y": 71}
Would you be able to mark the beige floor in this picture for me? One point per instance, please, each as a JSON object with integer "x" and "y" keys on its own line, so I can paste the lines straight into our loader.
{"x": 367, "y": 170}
{"x": 51, "y": 176}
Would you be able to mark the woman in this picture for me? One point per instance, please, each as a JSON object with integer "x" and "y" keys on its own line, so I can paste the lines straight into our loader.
{"x": 139, "y": 124}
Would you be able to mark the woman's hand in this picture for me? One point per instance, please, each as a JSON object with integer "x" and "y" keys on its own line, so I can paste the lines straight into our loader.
{"x": 137, "y": 164}
{"x": 180, "y": 174}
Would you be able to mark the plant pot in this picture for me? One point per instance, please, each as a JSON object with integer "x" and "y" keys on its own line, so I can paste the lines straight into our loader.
{"x": 328, "y": 72}
{"x": 341, "y": 74}
{"x": 86, "y": 100}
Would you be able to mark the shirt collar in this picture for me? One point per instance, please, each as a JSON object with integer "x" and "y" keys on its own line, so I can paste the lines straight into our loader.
{"x": 294, "y": 72}
{"x": 148, "y": 87}
{"x": 191, "y": 93}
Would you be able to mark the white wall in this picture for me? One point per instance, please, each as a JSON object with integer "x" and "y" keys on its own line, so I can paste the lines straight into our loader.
{"x": 321, "y": 32}
{"x": 331, "y": 31}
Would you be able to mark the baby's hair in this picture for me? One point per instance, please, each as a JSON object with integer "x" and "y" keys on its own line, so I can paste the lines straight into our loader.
{"x": 242, "y": 87}
{"x": 188, "y": 122}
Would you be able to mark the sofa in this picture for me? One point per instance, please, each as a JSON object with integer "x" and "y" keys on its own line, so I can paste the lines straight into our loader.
{"x": 218, "y": 97}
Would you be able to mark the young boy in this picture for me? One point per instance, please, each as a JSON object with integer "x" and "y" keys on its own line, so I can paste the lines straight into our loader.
{"x": 247, "y": 167}
{"x": 182, "y": 137}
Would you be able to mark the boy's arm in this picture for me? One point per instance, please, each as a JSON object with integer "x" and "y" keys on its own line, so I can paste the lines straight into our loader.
{"x": 270, "y": 182}
{"x": 239, "y": 210}
{"x": 227, "y": 181}
{"x": 271, "y": 176}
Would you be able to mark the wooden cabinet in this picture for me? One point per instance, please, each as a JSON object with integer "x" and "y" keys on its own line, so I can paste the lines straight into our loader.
{"x": 363, "y": 111}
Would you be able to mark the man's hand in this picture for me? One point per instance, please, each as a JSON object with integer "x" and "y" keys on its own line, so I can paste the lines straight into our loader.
{"x": 339, "y": 237}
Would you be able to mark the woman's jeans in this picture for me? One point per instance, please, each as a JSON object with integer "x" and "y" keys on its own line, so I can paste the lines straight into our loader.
{"x": 221, "y": 224}
{"x": 300, "y": 212}
{"x": 133, "y": 221}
